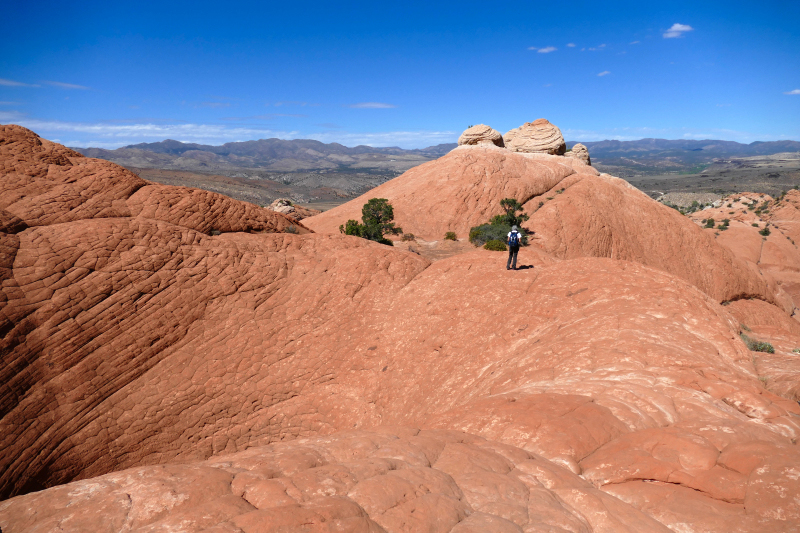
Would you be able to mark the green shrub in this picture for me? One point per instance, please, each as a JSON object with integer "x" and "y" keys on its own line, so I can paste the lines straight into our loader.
{"x": 500, "y": 226}
{"x": 480, "y": 235}
{"x": 291, "y": 229}
{"x": 377, "y": 216}
{"x": 754, "y": 224}
{"x": 757, "y": 346}
{"x": 495, "y": 245}
{"x": 710, "y": 223}
{"x": 450, "y": 236}
{"x": 407, "y": 237}
{"x": 765, "y": 231}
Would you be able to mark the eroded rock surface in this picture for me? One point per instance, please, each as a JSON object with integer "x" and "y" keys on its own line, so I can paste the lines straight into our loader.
{"x": 481, "y": 135}
{"x": 580, "y": 152}
{"x": 537, "y": 137}
{"x": 244, "y": 381}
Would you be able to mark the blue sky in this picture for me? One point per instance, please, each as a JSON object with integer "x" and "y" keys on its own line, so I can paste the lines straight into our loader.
{"x": 407, "y": 74}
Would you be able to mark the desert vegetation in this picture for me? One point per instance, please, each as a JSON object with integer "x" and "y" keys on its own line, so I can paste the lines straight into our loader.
{"x": 500, "y": 225}
{"x": 377, "y": 218}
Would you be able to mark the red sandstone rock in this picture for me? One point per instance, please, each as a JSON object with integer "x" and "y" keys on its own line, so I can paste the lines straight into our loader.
{"x": 581, "y": 214}
{"x": 136, "y": 340}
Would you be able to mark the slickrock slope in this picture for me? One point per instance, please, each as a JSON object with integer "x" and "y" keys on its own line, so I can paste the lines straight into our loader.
{"x": 246, "y": 382}
{"x": 44, "y": 183}
{"x": 575, "y": 213}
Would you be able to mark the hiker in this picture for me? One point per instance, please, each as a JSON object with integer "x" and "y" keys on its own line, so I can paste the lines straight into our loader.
{"x": 513, "y": 241}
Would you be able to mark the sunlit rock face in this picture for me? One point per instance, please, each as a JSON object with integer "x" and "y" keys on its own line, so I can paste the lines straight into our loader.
{"x": 173, "y": 359}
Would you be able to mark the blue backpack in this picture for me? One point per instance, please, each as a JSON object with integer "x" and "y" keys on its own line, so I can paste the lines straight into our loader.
{"x": 513, "y": 239}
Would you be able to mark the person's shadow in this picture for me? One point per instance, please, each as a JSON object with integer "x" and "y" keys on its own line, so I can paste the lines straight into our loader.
{"x": 524, "y": 267}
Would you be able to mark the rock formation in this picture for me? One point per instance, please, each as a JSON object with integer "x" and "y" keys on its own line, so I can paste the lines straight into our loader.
{"x": 537, "y": 137}
{"x": 580, "y": 152}
{"x": 581, "y": 214}
{"x": 292, "y": 210}
{"x": 481, "y": 135}
{"x": 258, "y": 380}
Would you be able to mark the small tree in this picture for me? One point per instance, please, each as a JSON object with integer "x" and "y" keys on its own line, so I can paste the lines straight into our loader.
{"x": 377, "y": 216}
{"x": 511, "y": 206}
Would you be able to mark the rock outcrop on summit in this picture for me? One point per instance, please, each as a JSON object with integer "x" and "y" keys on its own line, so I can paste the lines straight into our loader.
{"x": 580, "y": 152}
{"x": 156, "y": 377}
{"x": 537, "y": 137}
{"x": 481, "y": 135}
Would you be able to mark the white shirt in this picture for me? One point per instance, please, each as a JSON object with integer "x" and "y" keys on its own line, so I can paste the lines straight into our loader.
{"x": 518, "y": 233}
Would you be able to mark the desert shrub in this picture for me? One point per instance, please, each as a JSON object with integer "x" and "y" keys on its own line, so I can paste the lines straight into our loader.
{"x": 407, "y": 237}
{"x": 215, "y": 232}
{"x": 710, "y": 223}
{"x": 500, "y": 225}
{"x": 290, "y": 229}
{"x": 480, "y": 235}
{"x": 450, "y": 236}
{"x": 765, "y": 232}
{"x": 724, "y": 224}
{"x": 513, "y": 213}
{"x": 495, "y": 245}
{"x": 376, "y": 217}
{"x": 757, "y": 346}
{"x": 754, "y": 224}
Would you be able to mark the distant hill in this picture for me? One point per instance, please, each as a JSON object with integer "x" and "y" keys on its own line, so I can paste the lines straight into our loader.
{"x": 267, "y": 154}
{"x": 623, "y": 158}
{"x": 657, "y": 156}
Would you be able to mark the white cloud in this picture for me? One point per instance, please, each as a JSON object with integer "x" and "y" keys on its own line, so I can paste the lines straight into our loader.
{"x": 545, "y": 50}
{"x": 604, "y": 73}
{"x": 677, "y": 30}
{"x": 12, "y": 83}
{"x": 372, "y": 105}
{"x": 62, "y": 85}
{"x": 598, "y": 47}
{"x": 571, "y": 45}
{"x": 635, "y": 42}
{"x": 114, "y": 135}
{"x": 215, "y": 105}
{"x": 796, "y": 91}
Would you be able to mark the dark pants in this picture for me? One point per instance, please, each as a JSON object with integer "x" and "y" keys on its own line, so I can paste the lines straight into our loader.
{"x": 512, "y": 255}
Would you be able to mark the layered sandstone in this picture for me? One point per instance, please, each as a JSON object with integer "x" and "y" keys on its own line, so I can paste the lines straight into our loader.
{"x": 537, "y": 137}
{"x": 481, "y": 135}
{"x": 580, "y": 152}
{"x": 260, "y": 370}
{"x": 287, "y": 207}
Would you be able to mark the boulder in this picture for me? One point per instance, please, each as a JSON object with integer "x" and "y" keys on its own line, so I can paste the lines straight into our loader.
{"x": 282, "y": 205}
{"x": 580, "y": 152}
{"x": 481, "y": 135}
{"x": 537, "y": 137}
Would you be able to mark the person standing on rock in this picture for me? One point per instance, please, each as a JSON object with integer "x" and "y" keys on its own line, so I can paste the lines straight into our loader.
{"x": 513, "y": 241}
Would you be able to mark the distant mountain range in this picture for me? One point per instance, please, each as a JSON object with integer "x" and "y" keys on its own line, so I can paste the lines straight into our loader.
{"x": 274, "y": 155}
{"x": 624, "y": 158}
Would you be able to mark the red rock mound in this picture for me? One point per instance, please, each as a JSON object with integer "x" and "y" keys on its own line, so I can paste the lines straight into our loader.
{"x": 44, "y": 183}
{"x": 392, "y": 479}
{"x": 132, "y": 341}
{"x": 575, "y": 213}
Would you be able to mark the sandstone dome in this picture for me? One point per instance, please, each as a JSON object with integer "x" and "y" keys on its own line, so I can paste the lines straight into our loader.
{"x": 160, "y": 375}
{"x": 481, "y": 135}
{"x": 580, "y": 152}
{"x": 537, "y": 137}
